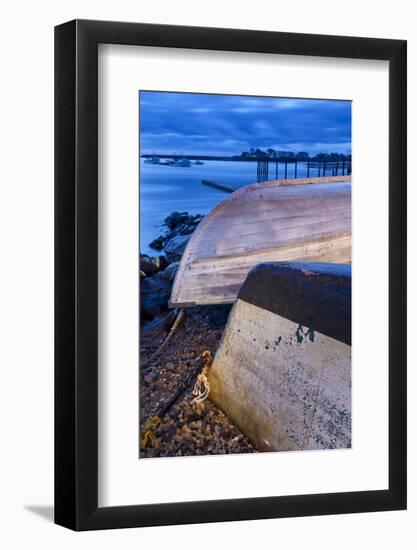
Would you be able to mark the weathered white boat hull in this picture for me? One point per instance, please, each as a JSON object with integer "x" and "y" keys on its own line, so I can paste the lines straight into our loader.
{"x": 260, "y": 223}
{"x": 285, "y": 384}
{"x": 230, "y": 271}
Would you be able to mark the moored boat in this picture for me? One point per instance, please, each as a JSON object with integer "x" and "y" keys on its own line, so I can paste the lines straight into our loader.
{"x": 153, "y": 160}
{"x": 280, "y": 220}
{"x": 184, "y": 163}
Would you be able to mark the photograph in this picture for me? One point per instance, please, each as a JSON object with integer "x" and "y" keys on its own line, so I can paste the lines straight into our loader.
{"x": 244, "y": 274}
{"x": 206, "y": 328}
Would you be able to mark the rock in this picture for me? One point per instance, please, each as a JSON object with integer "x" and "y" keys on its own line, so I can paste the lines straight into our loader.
{"x": 161, "y": 281}
{"x": 158, "y": 243}
{"x": 163, "y": 262}
{"x": 175, "y": 219}
{"x": 189, "y": 226}
{"x": 149, "y": 378}
{"x": 154, "y": 329}
{"x": 175, "y": 247}
{"x": 184, "y": 229}
{"x": 187, "y": 446}
{"x": 179, "y": 224}
{"x": 150, "y": 265}
{"x": 150, "y": 453}
{"x": 154, "y": 303}
{"x": 170, "y": 272}
{"x": 165, "y": 428}
{"x": 155, "y": 292}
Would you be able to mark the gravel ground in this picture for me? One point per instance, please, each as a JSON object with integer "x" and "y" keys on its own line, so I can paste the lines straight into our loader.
{"x": 184, "y": 430}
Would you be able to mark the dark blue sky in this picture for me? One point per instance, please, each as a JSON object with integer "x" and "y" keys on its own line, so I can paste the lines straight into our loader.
{"x": 220, "y": 124}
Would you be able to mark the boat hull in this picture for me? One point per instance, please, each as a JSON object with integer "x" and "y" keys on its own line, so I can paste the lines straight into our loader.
{"x": 262, "y": 223}
{"x": 282, "y": 373}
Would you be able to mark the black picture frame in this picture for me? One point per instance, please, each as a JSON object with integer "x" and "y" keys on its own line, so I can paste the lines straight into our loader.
{"x": 76, "y": 272}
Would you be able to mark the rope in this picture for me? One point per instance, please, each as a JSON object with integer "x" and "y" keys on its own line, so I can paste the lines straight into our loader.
{"x": 148, "y": 433}
{"x": 202, "y": 387}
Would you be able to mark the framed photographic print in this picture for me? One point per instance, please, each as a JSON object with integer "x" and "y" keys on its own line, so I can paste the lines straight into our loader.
{"x": 230, "y": 275}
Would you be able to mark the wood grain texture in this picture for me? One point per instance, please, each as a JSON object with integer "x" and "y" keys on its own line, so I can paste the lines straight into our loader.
{"x": 263, "y": 222}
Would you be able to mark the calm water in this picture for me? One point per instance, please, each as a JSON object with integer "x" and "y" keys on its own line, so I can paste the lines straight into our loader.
{"x": 164, "y": 189}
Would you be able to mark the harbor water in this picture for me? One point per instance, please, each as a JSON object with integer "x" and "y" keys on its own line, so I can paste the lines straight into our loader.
{"x": 165, "y": 189}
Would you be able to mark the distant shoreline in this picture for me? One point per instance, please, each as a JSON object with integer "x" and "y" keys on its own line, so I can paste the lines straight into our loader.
{"x": 288, "y": 160}
{"x": 196, "y": 157}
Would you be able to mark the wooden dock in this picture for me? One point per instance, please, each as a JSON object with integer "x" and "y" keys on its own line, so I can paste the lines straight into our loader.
{"x": 227, "y": 187}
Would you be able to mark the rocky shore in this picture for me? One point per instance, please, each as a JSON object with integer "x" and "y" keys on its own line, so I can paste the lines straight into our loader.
{"x": 184, "y": 429}
{"x": 158, "y": 273}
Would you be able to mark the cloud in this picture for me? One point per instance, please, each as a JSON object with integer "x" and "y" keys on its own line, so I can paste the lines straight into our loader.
{"x": 201, "y": 110}
{"x": 224, "y": 124}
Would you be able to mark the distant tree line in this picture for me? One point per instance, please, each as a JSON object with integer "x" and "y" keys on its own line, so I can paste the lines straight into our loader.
{"x": 290, "y": 156}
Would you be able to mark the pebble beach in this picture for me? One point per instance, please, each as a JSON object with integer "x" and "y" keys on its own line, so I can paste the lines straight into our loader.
{"x": 184, "y": 429}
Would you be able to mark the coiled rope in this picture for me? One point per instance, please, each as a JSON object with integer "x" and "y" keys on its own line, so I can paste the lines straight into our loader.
{"x": 202, "y": 387}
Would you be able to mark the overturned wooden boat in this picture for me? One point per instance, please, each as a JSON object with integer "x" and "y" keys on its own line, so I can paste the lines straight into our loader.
{"x": 280, "y": 220}
{"x": 282, "y": 373}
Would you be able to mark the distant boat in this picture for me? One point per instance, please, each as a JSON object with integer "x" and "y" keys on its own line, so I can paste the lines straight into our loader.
{"x": 184, "y": 163}
{"x": 199, "y": 162}
{"x": 281, "y": 220}
{"x": 153, "y": 160}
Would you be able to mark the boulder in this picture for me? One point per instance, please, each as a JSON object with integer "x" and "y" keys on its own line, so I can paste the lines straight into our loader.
{"x": 159, "y": 327}
{"x": 158, "y": 243}
{"x": 185, "y": 229}
{"x": 155, "y": 291}
{"x": 178, "y": 224}
{"x": 175, "y": 219}
{"x": 170, "y": 272}
{"x": 151, "y": 265}
{"x": 154, "y": 294}
{"x": 154, "y": 330}
{"x": 154, "y": 303}
{"x": 175, "y": 247}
